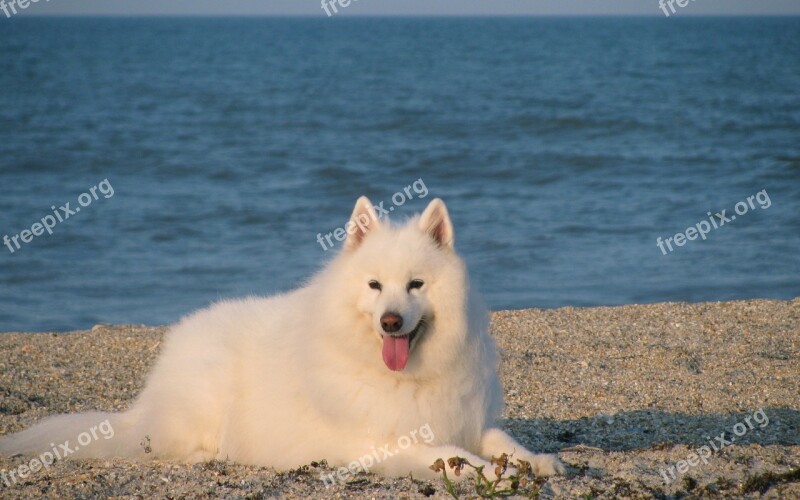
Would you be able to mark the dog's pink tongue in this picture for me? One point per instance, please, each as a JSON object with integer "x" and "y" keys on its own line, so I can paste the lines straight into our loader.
{"x": 395, "y": 352}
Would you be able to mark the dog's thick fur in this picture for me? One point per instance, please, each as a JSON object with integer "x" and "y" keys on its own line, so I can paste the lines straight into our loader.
{"x": 285, "y": 380}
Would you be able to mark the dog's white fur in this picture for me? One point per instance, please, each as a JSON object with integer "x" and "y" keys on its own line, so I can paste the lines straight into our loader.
{"x": 297, "y": 377}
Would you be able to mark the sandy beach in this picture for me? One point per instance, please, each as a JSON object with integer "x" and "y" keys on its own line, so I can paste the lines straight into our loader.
{"x": 627, "y": 396}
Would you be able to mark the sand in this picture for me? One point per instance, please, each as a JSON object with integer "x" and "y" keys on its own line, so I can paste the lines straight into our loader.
{"x": 621, "y": 393}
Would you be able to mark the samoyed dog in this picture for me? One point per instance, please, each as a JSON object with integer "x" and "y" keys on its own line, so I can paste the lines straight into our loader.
{"x": 385, "y": 353}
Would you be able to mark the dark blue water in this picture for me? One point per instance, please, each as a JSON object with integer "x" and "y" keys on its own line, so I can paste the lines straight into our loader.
{"x": 563, "y": 147}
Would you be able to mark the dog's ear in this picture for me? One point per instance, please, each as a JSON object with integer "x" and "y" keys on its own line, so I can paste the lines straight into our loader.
{"x": 435, "y": 221}
{"x": 363, "y": 221}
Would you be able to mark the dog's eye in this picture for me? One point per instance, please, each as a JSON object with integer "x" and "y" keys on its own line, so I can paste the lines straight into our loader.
{"x": 374, "y": 285}
{"x": 415, "y": 284}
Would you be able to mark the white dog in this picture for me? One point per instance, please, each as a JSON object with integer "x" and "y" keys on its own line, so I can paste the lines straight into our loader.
{"x": 386, "y": 341}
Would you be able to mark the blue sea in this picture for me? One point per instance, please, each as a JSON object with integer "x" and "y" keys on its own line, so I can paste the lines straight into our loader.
{"x": 564, "y": 148}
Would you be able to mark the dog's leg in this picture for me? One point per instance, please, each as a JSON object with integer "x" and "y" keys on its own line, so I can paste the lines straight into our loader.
{"x": 495, "y": 442}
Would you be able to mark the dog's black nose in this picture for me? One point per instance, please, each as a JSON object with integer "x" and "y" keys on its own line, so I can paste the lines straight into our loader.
{"x": 391, "y": 322}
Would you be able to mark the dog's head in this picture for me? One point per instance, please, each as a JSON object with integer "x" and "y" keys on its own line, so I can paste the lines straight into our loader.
{"x": 409, "y": 283}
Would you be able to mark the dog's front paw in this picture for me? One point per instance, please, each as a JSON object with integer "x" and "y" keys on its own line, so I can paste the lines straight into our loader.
{"x": 546, "y": 465}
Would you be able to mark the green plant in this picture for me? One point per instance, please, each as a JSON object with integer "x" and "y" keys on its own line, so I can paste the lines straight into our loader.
{"x": 510, "y": 479}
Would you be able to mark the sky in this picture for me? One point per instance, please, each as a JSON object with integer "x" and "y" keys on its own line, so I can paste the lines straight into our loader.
{"x": 408, "y": 7}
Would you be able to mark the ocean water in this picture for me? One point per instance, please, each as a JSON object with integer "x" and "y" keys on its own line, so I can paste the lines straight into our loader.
{"x": 563, "y": 147}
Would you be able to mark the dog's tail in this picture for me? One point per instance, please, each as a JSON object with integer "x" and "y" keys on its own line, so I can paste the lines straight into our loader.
{"x": 81, "y": 435}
